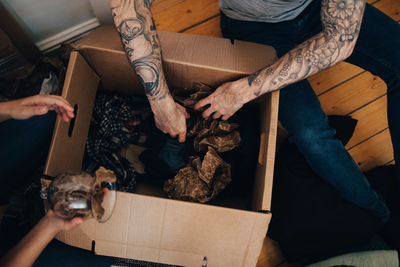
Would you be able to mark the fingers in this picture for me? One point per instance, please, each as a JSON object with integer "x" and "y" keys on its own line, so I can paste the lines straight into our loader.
{"x": 217, "y": 115}
{"x": 76, "y": 221}
{"x": 226, "y": 117}
{"x": 57, "y": 103}
{"x": 208, "y": 112}
{"x": 187, "y": 115}
{"x": 49, "y": 100}
{"x": 203, "y": 102}
{"x": 62, "y": 114}
{"x": 69, "y": 225}
{"x": 182, "y": 137}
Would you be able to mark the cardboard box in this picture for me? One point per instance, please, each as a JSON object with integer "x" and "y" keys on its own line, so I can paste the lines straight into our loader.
{"x": 150, "y": 228}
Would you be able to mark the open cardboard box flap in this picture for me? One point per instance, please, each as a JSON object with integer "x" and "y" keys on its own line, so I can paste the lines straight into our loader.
{"x": 186, "y": 58}
{"x": 158, "y": 229}
{"x": 68, "y": 143}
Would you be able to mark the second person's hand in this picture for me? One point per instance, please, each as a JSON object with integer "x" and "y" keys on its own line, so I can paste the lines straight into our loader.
{"x": 226, "y": 100}
{"x": 28, "y": 107}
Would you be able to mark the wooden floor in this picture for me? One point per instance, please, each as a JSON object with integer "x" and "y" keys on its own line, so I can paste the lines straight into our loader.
{"x": 343, "y": 90}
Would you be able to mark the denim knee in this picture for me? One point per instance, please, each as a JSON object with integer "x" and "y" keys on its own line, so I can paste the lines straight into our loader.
{"x": 313, "y": 141}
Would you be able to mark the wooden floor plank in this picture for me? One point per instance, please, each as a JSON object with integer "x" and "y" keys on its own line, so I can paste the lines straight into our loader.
{"x": 372, "y": 119}
{"x": 161, "y": 5}
{"x": 353, "y": 94}
{"x": 390, "y": 8}
{"x": 376, "y": 151}
{"x": 333, "y": 76}
{"x": 185, "y": 14}
{"x": 208, "y": 28}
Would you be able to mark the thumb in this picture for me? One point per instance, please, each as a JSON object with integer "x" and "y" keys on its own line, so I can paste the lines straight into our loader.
{"x": 76, "y": 221}
{"x": 34, "y": 111}
{"x": 187, "y": 115}
{"x": 182, "y": 137}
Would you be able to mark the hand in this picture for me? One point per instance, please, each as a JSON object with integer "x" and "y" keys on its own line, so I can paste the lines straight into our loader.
{"x": 226, "y": 100}
{"x": 57, "y": 224}
{"x": 28, "y": 107}
{"x": 170, "y": 117}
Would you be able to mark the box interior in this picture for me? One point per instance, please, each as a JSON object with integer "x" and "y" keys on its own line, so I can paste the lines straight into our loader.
{"x": 186, "y": 59}
{"x": 155, "y": 228}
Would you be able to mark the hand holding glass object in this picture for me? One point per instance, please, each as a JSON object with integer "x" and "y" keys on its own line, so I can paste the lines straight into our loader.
{"x": 73, "y": 195}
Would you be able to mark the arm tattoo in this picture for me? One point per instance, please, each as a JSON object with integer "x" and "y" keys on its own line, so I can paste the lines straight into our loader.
{"x": 139, "y": 38}
{"x": 341, "y": 20}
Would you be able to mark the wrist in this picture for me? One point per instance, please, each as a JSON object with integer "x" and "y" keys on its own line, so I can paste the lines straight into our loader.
{"x": 165, "y": 103}
{"x": 248, "y": 92}
{"x": 49, "y": 226}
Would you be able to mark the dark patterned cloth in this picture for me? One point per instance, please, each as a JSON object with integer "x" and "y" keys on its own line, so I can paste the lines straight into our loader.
{"x": 114, "y": 124}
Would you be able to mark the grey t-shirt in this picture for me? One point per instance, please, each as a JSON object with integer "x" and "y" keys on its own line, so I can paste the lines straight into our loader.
{"x": 271, "y": 11}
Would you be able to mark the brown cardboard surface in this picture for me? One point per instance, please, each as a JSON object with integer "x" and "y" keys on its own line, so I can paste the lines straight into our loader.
{"x": 158, "y": 229}
{"x": 80, "y": 87}
{"x": 266, "y": 157}
{"x": 186, "y": 58}
{"x": 177, "y": 232}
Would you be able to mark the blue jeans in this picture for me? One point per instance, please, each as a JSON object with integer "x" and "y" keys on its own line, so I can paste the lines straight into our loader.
{"x": 300, "y": 112}
{"x": 23, "y": 149}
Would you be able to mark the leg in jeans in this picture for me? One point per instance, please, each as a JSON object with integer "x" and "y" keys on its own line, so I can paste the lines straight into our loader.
{"x": 301, "y": 114}
{"x": 24, "y": 146}
{"x": 377, "y": 51}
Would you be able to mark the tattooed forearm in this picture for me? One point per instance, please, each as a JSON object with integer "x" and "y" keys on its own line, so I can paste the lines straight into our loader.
{"x": 253, "y": 78}
{"x": 341, "y": 20}
{"x": 139, "y": 38}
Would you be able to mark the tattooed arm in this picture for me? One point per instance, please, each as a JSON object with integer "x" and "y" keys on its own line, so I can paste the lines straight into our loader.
{"x": 341, "y": 20}
{"x": 135, "y": 24}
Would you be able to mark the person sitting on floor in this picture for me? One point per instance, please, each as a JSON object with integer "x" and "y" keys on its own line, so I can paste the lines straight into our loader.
{"x": 309, "y": 36}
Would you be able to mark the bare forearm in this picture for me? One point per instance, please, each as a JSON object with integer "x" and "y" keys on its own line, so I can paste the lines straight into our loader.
{"x": 29, "y": 248}
{"x": 341, "y": 22}
{"x": 134, "y": 22}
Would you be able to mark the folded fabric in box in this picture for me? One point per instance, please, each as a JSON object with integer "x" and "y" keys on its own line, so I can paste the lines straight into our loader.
{"x": 115, "y": 123}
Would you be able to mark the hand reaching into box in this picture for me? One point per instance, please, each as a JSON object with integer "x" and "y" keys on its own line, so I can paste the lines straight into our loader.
{"x": 226, "y": 100}
{"x": 136, "y": 27}
{"x": 28, "y": 107}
